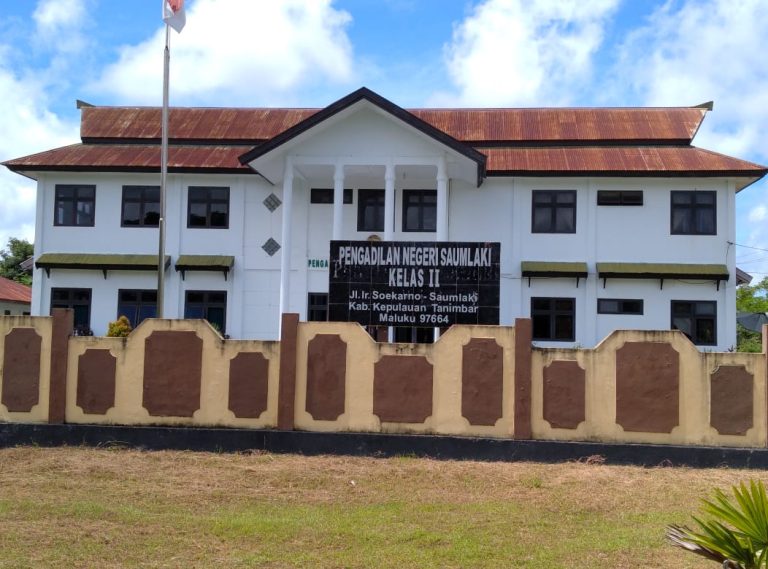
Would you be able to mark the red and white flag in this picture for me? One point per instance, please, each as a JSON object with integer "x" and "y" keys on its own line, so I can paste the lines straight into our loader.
{"x": 173, "y": 14}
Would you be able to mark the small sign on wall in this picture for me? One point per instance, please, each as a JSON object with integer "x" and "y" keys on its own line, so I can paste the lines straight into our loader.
{"x": 414, "y": 283}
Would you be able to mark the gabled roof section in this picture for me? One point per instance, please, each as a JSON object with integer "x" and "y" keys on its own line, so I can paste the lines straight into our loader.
{"x": 365, "y": 94}
{"x": 11, "y": 291}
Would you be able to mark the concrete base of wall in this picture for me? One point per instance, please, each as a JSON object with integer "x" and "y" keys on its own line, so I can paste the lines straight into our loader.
{"x": 376, "y": 445}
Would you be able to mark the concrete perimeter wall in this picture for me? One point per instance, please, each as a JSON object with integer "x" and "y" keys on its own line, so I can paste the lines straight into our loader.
{"x": 477, "y": 381}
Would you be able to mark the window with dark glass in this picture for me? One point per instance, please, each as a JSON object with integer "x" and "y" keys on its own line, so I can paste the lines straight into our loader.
{"x": 136, "y": 305}
{"x": 697, "y": 319}
{"x": 325, "y": 195}
{"x": 419, "y": 210}
{"x": 208, "y": 207}
{"x": 141, "y": 206}
{"x": 79, "y": 300}
{"x": 414, "y": 335}
{"x": 210, "y": 305}
{"x": 75, "y": 205}
{"x": 553, "y": 318}
{"x": 370, "y": 210}
{"x": 317, "y": 306}
{"x": 620, "y": 305}
{"x": 619, "y": 197}
{"x": 554, "y": 211}
{"x": 693, "y": 213}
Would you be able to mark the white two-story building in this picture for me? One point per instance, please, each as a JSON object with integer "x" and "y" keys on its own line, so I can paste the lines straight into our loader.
{"x": 606, "y": 217}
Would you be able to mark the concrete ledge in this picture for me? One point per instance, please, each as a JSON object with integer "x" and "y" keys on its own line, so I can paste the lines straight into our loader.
{"x": 377, "y": 445}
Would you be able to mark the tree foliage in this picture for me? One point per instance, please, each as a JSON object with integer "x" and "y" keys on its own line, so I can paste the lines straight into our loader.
{"x": 16, "y": 251}
{"x": 751, "y": 298}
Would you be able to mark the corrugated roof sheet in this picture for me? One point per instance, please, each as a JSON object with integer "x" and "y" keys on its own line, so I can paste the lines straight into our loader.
{"x": 578, "y": 160}
{"x": 670, "y": 160}
{"x": 11, "y": 291}
{"x": 140, "y": 157}
{"x": 678, "y": 124}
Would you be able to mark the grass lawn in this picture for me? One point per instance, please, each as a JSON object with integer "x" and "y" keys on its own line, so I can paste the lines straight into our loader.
{"x": 83, "y": 507}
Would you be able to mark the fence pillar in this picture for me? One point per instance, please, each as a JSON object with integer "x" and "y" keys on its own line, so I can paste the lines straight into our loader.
{"x": 523, "y": 349}
{"x": 63, "y": 323}
{"x": 765, "y": 367}
{"x": 286, "y": 393}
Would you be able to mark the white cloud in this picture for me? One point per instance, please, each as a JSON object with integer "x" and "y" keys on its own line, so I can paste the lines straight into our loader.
{"x": 238, "y": 52}
{"x": 525, "y": 53}
{"x": 58, "y": 25}
{"x": 760, "y": 213}
{"x": 699, "y": 50}
{"x": 25, "y": 127}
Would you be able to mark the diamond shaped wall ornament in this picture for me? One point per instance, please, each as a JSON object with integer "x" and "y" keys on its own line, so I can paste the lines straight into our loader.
{"x": 272, "y": 202}
{"x": 271, "y": 246}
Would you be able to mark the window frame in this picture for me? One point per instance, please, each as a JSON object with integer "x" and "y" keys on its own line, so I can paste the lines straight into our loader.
{"x": 419, "y": 196}
{"x": 695, "y": 318}
{"x": 364, "y": 197}
{"x": 206, "y": 305}
{"x": 691, "y": 209}
{"x": 81, "y": 328}
{"x": 142, "y": 201}
{"x": 624, "y": 198}
{"x": 314, "y": 309}
{"x": 553, "y": 206}
{"x": 552, "y": 313}
{"x": 74, "y": 217}
{"x": 208, "y": 200}
{"x": 320, "y": 196}
{"x": 602, "y": 309}
{"x": 139, "y": 304}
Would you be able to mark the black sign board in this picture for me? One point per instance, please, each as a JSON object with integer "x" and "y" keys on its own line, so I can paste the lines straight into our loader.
{"x": 414, "y": 283}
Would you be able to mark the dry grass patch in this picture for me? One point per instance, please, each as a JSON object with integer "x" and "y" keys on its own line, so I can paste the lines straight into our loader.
{"x": 83, "y": 507}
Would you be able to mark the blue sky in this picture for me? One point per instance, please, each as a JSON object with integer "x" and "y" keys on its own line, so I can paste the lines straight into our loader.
{"x": 414, "y": 52}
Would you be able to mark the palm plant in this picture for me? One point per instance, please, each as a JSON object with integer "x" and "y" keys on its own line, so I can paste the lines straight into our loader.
{"x": 736, "y": 534}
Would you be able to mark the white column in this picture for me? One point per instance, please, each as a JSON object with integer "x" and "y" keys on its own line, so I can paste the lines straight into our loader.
{"x": 442, "y": 201}
{"x": 389, "y": 202}
{"x": 285, "y": 259}
{"x": 338, "y": 200}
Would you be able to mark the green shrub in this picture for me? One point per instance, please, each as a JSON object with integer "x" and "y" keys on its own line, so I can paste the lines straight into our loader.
{"x": 736, "y": 533}
{"x": 119, "y": 328}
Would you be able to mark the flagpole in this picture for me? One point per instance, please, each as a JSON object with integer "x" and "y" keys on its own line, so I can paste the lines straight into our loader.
{"x": 163, "y": 177}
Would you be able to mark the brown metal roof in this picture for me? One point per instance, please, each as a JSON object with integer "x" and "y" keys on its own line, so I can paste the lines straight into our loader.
{"x": 569, "y": 160}
{"x": 11, "y": 291}
{"x": 477, "y": 126}
{"x": 133, "y": 157}
{"x": 618, "y": 160}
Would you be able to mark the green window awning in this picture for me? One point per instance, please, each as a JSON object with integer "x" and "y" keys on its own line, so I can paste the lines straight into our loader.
{"x": 98, "y": 262}
{"x": 220, "y": 263}
{"x": 661, "y": 271}
{"x": 553, "y": 269}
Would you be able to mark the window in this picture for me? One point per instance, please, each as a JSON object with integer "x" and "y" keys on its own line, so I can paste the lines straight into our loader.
{"x": 208, "y": 304}
{"x": 554, "y": 211}
{"x": 413, "y": 335}
{"x": 697, "y": 319}
{"x": 137, "y": 305}
{"x": 208, "y": 207}
{"x": 317, "y": 307}
{"x": 325, "y": 195}
{"x": 693, "y": 213}
{"x": 619, "y": 306}
{"x": 141, "y": 206}
{"x": 6, "y": 312}
{"x": 79, "y": 300}
{"x": 419, "y": 210}
{"x": 620, "y": 197}
{"x": 75, "y": 205}
{"x": 370, "y": 210}
{"x": 553, "y": 318}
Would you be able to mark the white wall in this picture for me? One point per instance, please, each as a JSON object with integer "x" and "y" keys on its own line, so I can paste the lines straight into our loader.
{"x": 500, "y": 210}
